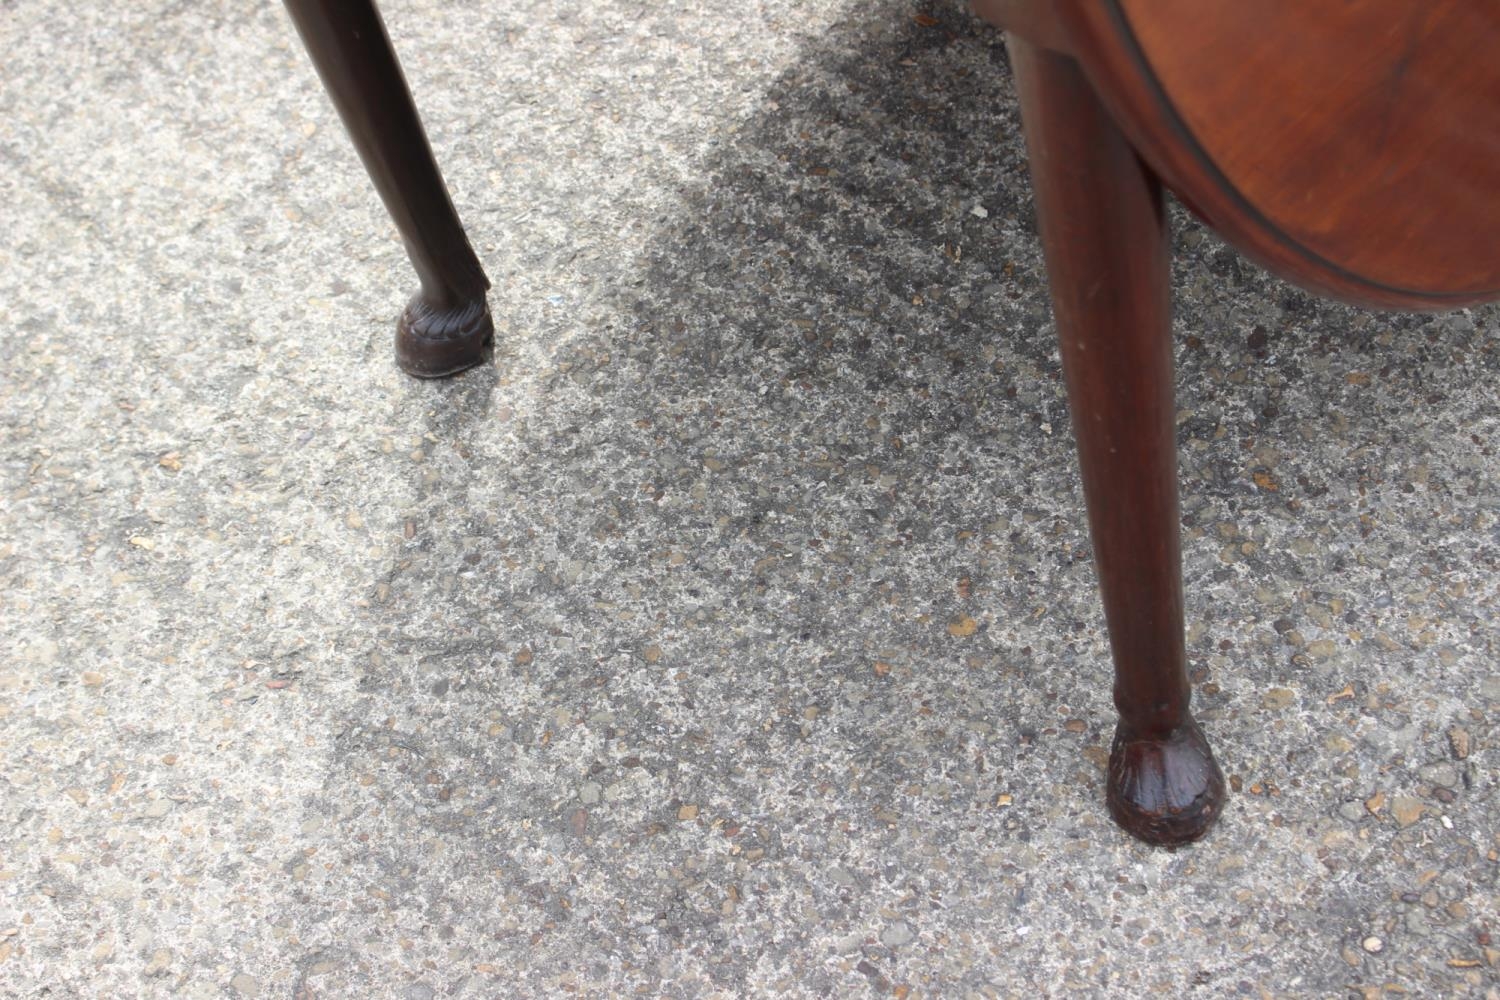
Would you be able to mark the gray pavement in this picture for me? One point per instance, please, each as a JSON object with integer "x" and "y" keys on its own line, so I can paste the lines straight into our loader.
{"x": 734, "y": 633}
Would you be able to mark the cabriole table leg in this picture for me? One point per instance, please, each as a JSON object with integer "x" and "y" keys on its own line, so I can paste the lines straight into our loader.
{"x": 1105, "y": 238}
{"x": 446, "y": 326}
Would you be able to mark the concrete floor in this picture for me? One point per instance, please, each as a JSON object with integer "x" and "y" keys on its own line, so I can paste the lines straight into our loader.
{"x": 734, "y": 633}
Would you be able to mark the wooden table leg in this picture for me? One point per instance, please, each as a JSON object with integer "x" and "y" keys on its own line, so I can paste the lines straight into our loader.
{"x": 1105, "y": 238}
{"x": 446, "y": 326}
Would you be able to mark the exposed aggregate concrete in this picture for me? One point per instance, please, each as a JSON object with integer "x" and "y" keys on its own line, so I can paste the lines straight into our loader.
{"x": 735, "y": 632}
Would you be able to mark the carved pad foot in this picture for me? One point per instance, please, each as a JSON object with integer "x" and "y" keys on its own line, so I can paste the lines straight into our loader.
{"x": 433, "y": 342}
{"x": 1166, "y": 792}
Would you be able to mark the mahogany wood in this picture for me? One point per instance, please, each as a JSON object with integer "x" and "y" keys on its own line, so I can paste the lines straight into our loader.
{"x": 1105, "y": 237}
{"x": 1038, "y": 23}
{"x": 1353, "y": 148}
{"x": 446, "y": 327}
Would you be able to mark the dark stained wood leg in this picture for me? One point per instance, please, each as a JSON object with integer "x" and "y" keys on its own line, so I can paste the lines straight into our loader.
{"x": 446, "y": 326}
{"x": 1105, "y": 238}
{"x": 1034, "y": 20}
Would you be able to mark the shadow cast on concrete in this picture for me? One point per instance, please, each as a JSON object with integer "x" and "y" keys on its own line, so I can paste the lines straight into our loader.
{"x": 774, "y": 584}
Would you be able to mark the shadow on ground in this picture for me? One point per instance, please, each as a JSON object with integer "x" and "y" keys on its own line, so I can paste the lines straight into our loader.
{"x": 758, "y": 642}
{"x": 734, "y": 633}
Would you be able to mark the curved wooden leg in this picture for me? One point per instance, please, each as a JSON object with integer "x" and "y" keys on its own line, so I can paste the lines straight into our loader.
{"x": 1105, "y": 238}
{"x": 446, "y": 326}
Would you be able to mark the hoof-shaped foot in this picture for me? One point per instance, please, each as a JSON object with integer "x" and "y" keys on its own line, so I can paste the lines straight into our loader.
{"x": 1166, "y": 792}
{"x": 432, "y": 342}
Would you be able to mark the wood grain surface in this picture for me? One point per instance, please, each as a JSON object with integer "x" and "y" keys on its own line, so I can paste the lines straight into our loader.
{"x": 1353, "y": 147}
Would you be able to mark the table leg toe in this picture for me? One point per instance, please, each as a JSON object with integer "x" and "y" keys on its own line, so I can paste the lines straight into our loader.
{"x": 1165, "y": 791}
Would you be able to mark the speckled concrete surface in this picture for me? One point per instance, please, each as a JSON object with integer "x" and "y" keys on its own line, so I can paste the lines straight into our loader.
{"x": 641, "y": 662}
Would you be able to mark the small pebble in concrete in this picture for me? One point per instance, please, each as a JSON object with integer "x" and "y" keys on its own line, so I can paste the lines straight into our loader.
{"x": 897, "y": 934}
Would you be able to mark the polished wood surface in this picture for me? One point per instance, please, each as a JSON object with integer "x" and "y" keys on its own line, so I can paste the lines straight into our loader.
{"x": 446, "y": 327}
{"x": 1366, "y": 132}
{"x": 1353, "y": 148}
{"x": 1030, "y": 20}
{"x": 1104, "y": 233}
